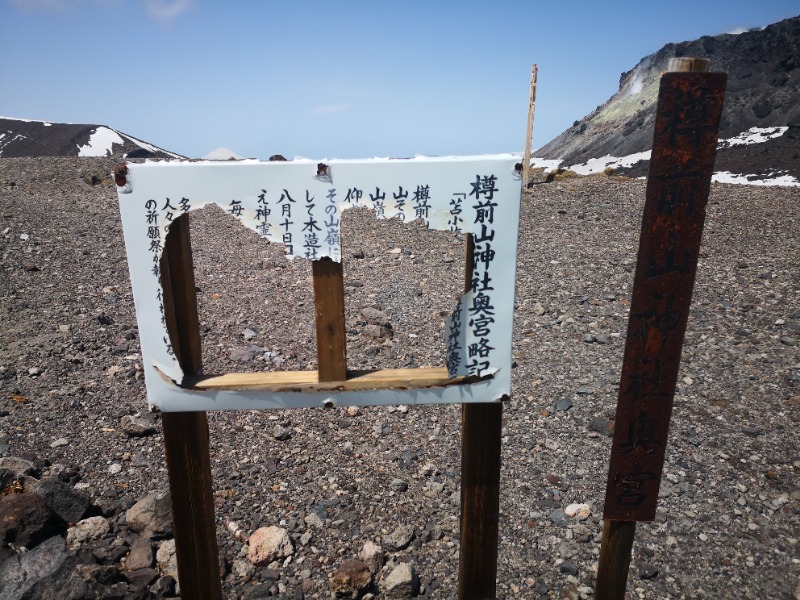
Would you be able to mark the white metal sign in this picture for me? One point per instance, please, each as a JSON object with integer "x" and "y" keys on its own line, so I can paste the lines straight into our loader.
{"x": 299, "y": 205}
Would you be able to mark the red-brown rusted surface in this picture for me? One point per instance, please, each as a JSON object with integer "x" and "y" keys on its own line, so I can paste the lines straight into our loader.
{"x": 121, "y": 174}
{"x": 681, "y": 165}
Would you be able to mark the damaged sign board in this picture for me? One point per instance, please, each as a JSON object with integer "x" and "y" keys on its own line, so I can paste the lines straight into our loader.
{"x": 299, "y": 204}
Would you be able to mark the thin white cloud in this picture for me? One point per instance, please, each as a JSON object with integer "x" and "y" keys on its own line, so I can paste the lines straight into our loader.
{"x": 46, "y": 5}
{"x": 329, "y": 109}
{"x": 160, "y": 11}
{"x": 166, "y": 11}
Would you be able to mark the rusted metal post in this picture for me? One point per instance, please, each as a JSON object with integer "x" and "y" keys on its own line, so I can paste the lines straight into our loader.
{"x": 481, "y": 427}
{"x": 186, "y": 437}
{"x": 681, "y": 166}
{"x": 526, "y": 164}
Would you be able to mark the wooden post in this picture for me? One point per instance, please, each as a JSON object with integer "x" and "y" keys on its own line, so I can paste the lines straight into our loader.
{"x": 186, "y": 438}
{"x": 526, "y": 165}
{"x": 481, "y": 427}
{"x": 615, "y": 559}
{"x": 682, "y": 160}
{"x": 329, "y": 303}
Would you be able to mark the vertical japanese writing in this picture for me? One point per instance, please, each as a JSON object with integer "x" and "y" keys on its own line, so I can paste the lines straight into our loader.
{"x": 285, "y": 202}
{"x": 456, "y": 220}
{"x": 482, "y": 310}
{"x": 156, "y": 247}
{"x": 332, "y": 221}
{"x": 400, "y": 201}
{"x": 353, "y": 196}
{"x": 154, "y": 235}
{"x": 379, "y": 203}
{"x": 169, "y": 211}
{"x": 454, "y": 342}
{"x": 235, "y": 208}
{"x": 311, "y": 243}
{"x": 681, "y": 165}
{"x": 420, "y": 203}
{"x": 262, "y": 214}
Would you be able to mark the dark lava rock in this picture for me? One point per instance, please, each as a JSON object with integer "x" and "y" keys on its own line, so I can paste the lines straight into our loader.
{"x": 68, "y": 503}
{"x": 45, "y": 573}
{"x": 568, "y": 568}
{"x": 26, "y": 520}
{"x": 647, "y": 571}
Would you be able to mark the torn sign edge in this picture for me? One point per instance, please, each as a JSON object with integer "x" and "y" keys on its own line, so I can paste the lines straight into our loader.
{"x": 157, "y": 191}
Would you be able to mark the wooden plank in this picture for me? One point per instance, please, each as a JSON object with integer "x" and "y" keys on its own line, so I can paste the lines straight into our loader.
{"x": 526, "y": 165}
{"x": 329, "y": 303}
{"x": 481, "y": 427}
{"x": 186, "y": 437}
{"x": 681, "y": 166}
{"x": 309, "y": 380}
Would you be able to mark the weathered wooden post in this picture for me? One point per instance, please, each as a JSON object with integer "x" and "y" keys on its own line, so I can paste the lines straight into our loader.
{"x": 329, "y": 304}
{"x": 526, "y": 164}
{"x": 481, "y": 427}
{"x": 681, "y": 165}
{"x": 186, "y": 433}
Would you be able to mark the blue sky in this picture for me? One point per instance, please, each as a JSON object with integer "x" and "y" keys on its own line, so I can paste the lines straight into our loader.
{"x": 344, "y": 79}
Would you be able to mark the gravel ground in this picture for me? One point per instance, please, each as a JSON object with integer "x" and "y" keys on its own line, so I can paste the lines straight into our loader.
{"x": 729, "y": 513}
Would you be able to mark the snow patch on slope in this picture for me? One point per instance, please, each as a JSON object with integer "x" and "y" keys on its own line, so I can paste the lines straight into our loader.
{"x": 772, "y": 179}
{"x": 754, "y": 135}
{"x": 598, "y": 165}
{"x": 101, "y": 143}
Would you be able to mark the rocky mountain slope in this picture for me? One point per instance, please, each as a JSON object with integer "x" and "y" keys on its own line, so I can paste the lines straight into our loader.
{"x": 23, "y": 137}
{"x": 763, "y": 95}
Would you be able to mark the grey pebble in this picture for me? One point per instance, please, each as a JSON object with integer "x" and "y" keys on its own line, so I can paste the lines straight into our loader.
{"x": 568, "y": 567}
{"x": 399, "y": 485}
{"x": 647, "y": 571}
{"x": 564, "y": 404}
{"x": 281, "y": 433}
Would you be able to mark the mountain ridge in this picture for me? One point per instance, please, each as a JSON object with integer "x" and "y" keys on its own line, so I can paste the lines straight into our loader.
{"x": 33, "y": 138}
{"x": 763, "y": 92}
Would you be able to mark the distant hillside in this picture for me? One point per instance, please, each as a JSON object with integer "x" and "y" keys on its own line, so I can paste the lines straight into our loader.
{"x": 22, "y": 137}
{"x": 763, "y": 96}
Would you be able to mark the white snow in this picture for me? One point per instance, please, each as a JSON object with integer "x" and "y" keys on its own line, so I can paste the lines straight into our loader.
{"x": 545, "y": 163}
{"x": 598, "y": 165}
{"x": 222, "y": 154}
{"x": 45, "y": 123}
{"x": 728, "y": 177}
{"x": 101, "y": 143}
{"x": 8, "y": 141}
{"x": 754, "y": 135}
